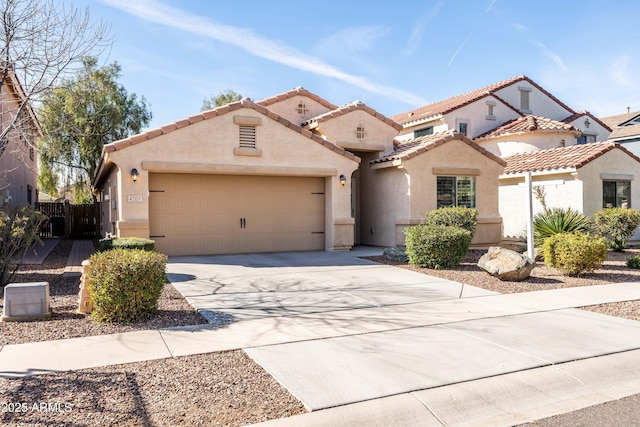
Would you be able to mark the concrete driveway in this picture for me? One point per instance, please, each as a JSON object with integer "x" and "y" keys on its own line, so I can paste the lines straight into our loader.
{"x": 339, "y": 331}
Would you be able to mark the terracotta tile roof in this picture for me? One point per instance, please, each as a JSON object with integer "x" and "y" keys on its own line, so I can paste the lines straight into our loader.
{"x": 574, "y": 157}
{"x": 205, "y": 115}
{"x": 451, "y": 104}
{"x": 355, "y": 105}
{"x": 298, "y": 91}
{"x": 583, "y": 113}
{"x": 407, "y": 149}
{"x": 529, "y": 124}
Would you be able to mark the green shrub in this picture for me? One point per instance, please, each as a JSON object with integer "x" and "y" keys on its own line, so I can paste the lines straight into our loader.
{"x": 436, "y": 246}
{"x": 126, "y": 243}
{"x": 19, "y": 227}
{"x": 617, "y": 225}
{"x": 559, "y": 220}
{"x": 574, "y": 253}
{"x": 462, "y": 217}
{"x": 125, "y": 284}
{"x": 634, "y": 262}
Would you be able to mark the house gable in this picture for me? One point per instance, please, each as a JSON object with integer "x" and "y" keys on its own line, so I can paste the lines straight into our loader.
{"x": 356, "y": 127}
{"x": 297, "y": 105}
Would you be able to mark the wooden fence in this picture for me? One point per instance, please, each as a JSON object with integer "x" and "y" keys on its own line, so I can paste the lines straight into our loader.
{"x": 72, "y": 221}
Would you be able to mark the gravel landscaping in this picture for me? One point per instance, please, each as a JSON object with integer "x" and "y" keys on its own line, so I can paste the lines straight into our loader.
{"x": 225, "y": 388}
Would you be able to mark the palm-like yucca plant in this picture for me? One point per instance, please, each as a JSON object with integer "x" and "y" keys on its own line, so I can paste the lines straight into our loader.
{"x": 559, "y": 220}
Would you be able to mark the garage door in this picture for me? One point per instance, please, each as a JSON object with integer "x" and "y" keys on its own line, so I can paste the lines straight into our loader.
{"x": 192, "y": 214}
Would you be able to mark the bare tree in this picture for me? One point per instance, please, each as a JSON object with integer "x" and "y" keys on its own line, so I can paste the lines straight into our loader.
{"x": 41, "y": 42}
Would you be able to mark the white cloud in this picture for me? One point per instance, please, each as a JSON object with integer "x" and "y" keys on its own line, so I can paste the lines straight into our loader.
{"x": 246, "y": 39}
{"x": 415, "y": 39}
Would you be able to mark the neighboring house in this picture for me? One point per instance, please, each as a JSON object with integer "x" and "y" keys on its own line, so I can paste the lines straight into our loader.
{"x": 287, "y": 173}
{"x": 625, "y": 129}
{"x": 532, "y": 130}
{"x": 18, "y": 149}
{"x": 585, "y": 177}
{"x": 482, "y": 111}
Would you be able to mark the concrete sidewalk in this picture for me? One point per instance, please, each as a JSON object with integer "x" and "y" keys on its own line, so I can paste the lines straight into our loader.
{"x": 359, "y": 342}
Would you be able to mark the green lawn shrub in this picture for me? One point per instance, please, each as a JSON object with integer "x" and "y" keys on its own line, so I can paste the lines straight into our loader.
{"x": 19, "y": 227}
{"x": 634, "y": 262}
{"x": 454, "y": 216}
{"x": 436, "y": 246}
{"x": 617, "y": 225}
{"x": 559, "y": 220}
{"x": 125, "y": 284}
{"x": 574, "y": 253}
{"x": 126, "y": 243}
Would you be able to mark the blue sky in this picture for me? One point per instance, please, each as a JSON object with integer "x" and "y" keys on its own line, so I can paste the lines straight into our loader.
{"x": 393, "y": 56}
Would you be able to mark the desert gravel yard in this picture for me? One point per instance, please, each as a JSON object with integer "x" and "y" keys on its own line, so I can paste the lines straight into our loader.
{"x": 225, "y": 388}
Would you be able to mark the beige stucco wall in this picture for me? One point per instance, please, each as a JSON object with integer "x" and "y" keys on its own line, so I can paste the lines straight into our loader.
{"x": 461, "y": 159}
{"x": 594, "y": 128}
{"x": 476, "y": 117}
{"x": 561, "y": 190}
{"x": 288, "y": 108}
{"x": 18, "y": 170}
{"x": 208, "y": 147}
{"x": 580, "y": 190}
{"x": 509, "y": 145}
{"x": 342, "y": 130}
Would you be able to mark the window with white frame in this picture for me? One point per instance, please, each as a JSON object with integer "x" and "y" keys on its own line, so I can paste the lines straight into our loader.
{"x": 423, "y": 132}
{"x": 616, "y": 194}
{"x": 456, "y": 191}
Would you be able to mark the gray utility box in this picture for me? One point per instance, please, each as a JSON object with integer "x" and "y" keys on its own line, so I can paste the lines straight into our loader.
{"x": 26, "y": 301}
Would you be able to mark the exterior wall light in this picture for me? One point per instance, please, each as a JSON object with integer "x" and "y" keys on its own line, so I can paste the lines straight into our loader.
{"x": 343, "y": 180}
{"x": 134, "y": 174}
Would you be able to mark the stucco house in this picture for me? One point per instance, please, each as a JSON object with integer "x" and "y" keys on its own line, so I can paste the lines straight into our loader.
{"x": 287, "y": 173}
{"x": 18, "y": 149}
{"x": 533, "y": 131}
{"x": 481, "y": 111}
{"x": 625, "y": 129}
{"x": 586, "y": 177}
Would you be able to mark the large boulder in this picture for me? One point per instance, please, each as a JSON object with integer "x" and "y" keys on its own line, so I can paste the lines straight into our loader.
{"x": 396, "y": 253}
{"x": 506, "y": 264}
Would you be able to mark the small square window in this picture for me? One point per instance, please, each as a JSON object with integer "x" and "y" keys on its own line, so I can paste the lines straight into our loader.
{"x": 360, "y": 133}
{"x": 302, "y": 108}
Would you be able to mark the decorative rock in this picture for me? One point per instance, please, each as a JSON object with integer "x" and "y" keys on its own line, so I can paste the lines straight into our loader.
{"x": 396, "y": 253}
{"x": 506, "y": 265}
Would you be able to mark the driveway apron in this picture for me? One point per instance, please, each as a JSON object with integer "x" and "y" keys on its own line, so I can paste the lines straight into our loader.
{"x": 382, "y": 331}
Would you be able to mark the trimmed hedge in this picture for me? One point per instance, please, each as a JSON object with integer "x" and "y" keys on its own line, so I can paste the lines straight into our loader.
{"x": 574, "y": 253}
{"x": 617, "y": 225}
{"x": 436, "y": 246}
{"x": 125, "y": 284}
{"x": 126, "y": 243}
{"x": 461, "y": 216}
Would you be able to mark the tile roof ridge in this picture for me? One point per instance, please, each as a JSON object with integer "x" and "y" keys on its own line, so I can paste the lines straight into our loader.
{"x": 347, "y": 108}
{"x": 482, "y": 91}
{"x": 297, "y": 91}
{"x": 573, "y": 156}
{"x": 219, "y": 111}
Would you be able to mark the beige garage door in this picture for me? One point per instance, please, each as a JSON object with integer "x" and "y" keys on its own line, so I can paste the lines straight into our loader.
{"x": 192, "y": 214}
